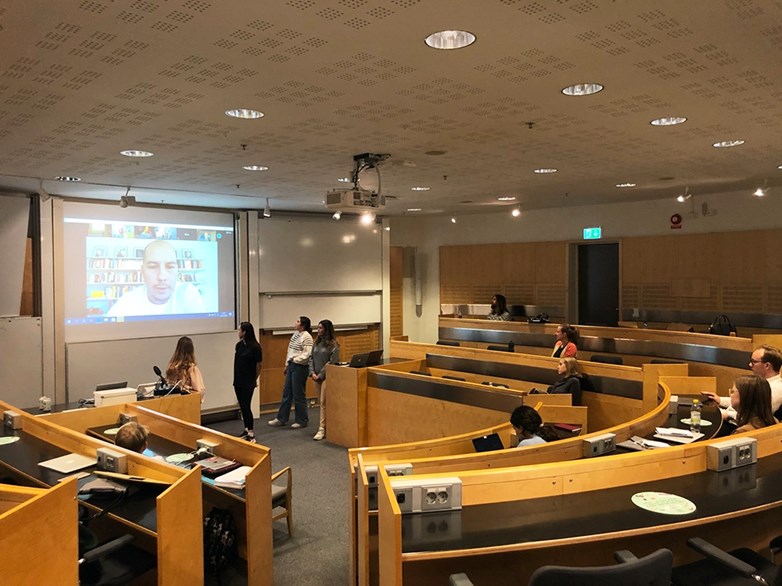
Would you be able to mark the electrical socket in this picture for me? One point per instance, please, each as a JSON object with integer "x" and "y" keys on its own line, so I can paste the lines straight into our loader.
{"x": 598, "y": 445}
{"x": 12, "y": 420}
{"x": 208, "y": 444}
{"x": 371, "y": 472}
{"x": 420, "y": 496}
{"x": 731, "y": 453}
{"x": 112, "y": 461}
{"x": 127, "y": 418}
{"x": 398, "y": 469}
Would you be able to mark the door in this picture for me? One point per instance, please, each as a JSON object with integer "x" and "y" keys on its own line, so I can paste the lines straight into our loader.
{"x": 598, "y": 284}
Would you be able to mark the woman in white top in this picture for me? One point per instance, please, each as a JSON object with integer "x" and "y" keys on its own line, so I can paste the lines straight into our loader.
{"x": 526, "y": 421}
{"x": 296, "y": 369}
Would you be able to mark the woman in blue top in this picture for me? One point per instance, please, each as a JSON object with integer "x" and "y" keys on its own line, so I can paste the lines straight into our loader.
{"x": 526, "y": 421}
{"x": 325, "y": 351}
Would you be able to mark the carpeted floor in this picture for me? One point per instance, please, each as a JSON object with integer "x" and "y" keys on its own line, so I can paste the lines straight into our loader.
{"x": 318, "y": 553}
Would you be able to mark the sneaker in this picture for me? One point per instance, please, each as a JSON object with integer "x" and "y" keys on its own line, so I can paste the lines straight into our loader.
{"x": 320, "y": 435}
{"x": 244, "y": 434}
{"x": 276, "y": 423}
{"x": 298, "y": 425}
{"x": 250, "y": 438}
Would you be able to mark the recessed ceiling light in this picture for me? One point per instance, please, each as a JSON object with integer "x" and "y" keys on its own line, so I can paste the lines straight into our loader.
{"x": 344, "y": 179}
{"x": 545, "y": 171}
{"x": 453, "y": 220}
{"x": 779, "y": 166}
{"x": 759, "y": 192}
{"x": 413, "y": 209}
{"x": 582, "y": 89}
{"x": 67, "y": 178}
{"x": 516, "y": 212}
{"x": 670, "y": 121}
{"x": 137, "y": 154}
{"x": 450, "y": 39}
{"x": 244, "y": 113}
{"x": 727, "y": 143}
{"x": 507, "y": 198}
{"x": 420, "y": 188}
{"x": 625, "y": 184}
{"x": 255, "y": 168}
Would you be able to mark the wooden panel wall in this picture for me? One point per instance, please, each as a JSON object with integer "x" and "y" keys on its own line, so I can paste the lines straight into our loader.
{"x": 723, "y": 272}
{"x": 275, "y": 347}
{"x": 530, "y": 273}
{"x": 396, "y": 295}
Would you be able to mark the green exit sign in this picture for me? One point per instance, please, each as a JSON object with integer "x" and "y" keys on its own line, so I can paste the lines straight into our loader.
{"x": 593, "y": 233}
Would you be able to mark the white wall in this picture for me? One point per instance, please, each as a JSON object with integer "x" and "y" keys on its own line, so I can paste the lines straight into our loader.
{"x": 727, "y": 212}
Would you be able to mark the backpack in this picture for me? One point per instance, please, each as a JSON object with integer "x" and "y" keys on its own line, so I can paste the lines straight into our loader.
{"x": 722, "y": 326}
{"x": 220, "y": 547}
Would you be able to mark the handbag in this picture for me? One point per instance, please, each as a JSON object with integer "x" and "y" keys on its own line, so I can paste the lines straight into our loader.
{"x": 722, "y": 326}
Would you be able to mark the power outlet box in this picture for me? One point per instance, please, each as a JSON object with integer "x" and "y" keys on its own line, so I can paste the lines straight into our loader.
{"x": 598, "y": 445}
{"x": 12, "y": 420}
{"x": 127, "y": 418}
{"x": 433, "y": 494}
{"x": 112, "y": 461}
{"x": 732, "y": 453}
{"x": 207, "y": 444}
{"x": 393, "y": 470}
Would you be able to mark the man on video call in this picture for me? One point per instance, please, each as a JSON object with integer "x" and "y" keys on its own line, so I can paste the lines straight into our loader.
{"x": 161, "y": 293}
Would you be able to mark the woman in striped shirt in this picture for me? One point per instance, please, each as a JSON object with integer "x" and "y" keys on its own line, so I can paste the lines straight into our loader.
{"x": 296, "y": 370}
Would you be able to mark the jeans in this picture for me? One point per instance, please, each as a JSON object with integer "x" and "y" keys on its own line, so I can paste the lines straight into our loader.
{"x": 293, "y": 391}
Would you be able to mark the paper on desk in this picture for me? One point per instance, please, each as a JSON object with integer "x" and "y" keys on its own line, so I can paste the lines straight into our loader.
{"x": 639, "y": 443}
{"x": 234, "y": 478}
{"x": 675, "y": 434}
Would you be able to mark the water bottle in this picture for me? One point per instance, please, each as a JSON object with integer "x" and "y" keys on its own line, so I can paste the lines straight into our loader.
{"x": 695, "y": 416}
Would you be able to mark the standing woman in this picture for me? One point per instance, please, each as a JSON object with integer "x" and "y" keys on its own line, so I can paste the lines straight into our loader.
{"x": 296, "y": 368}
{"x": 565, "y": 346}
{"x": 183, "y": 368}
{"x": 247, "y": 369}
{"x": 324, "y": 351}
{"x": 751, "y": 398}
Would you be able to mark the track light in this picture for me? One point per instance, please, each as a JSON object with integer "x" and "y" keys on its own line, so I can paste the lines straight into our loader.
{"x": 127, "y": 199}
{"x": 761, "y": 191}
{"x": 337, "y": 215}
{"x": 516, "y": 212}
{"x": 267, "y": 211}
{"x": 367, "y": 218}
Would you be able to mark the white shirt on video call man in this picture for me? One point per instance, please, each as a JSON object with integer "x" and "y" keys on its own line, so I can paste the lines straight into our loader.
{"x": 161, "y": 293}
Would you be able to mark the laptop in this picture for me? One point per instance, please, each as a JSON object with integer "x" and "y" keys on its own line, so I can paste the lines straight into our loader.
{"x": 375, "y": 358}
{"x": 488, "y": 443}
{"x": 69, "y": 463}
{"x": 359, "y": 360}
{"x": 111, "y": 386}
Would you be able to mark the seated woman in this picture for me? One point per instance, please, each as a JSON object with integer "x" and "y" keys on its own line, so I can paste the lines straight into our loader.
{"x": 183, "y": 369}
{"x": 751, "y": 398}
{"x": 570, "y": 380}
{"x": 526, "y": 421}
{"x": 565, "y": 346}
{"x": 499, "y": 309}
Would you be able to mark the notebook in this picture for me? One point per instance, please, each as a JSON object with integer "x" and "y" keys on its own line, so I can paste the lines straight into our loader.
{"x": 488, "y": 443}
{"x": 233, "y": 479}
{"x": 216, "y": 466}
{"x": 68, "y": 463}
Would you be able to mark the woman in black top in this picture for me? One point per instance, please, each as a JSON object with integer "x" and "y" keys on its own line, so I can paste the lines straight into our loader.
{"x": 247, "y": 368}
{"x": 570, "y": 383}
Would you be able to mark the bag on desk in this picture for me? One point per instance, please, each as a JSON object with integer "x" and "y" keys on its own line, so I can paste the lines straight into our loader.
{"x": 722, "y": 326}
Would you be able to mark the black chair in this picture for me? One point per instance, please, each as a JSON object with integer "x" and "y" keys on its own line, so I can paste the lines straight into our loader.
{"x": 665, "y": 361}
{"x": 736, "y": 568}
{"x": 115, "y": 562}
{"x": 500, "y": 348}
{"x": 606, "y": 359}
{"x": 451, "y": 377}
{"x": 447, "y": 343}
{"x": 421, "y": 372}
{"x": 652, "y": 570}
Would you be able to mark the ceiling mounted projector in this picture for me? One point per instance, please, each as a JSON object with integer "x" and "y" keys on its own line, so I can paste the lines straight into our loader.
{"x": 358, "y": 198}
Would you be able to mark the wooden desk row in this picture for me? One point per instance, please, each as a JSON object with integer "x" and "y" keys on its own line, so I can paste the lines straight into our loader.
{"x": 179, "y": 509}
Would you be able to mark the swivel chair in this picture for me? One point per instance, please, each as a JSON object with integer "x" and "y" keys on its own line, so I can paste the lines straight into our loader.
{"x": 651, "y": 570}
{"x": 739, "y": 567}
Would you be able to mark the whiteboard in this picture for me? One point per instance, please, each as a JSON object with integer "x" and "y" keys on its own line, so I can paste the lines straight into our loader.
{"x": 281, "y": 312}
{"x": 307, "y": 255}
{"x": 92, "y": 363}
